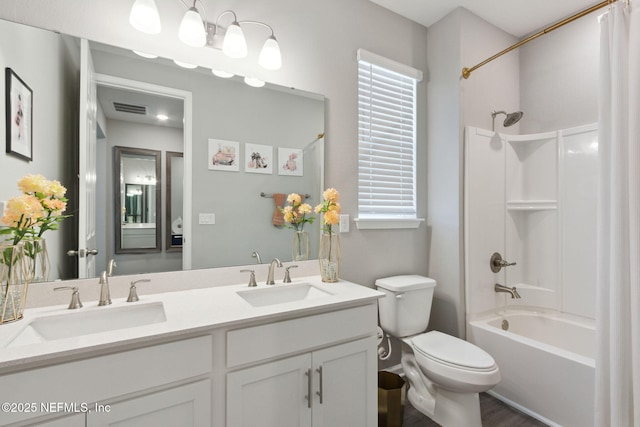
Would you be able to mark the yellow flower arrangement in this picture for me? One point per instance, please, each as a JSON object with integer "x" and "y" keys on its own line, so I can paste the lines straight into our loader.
{"x": 296, "y": 212}
{"x": 38, "y": 209}
{"x": 330, "y": 208}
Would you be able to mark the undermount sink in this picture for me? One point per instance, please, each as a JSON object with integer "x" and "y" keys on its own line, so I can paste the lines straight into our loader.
{"x": 91, "y": 321}
{"x": 279, "y": 294}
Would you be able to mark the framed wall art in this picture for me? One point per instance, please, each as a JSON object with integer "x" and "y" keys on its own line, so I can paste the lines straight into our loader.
{"x": 224, "y": 155}
{"x": 258, "y": 158}
{"x": 19, "y": 110}
{"x": 290, "y": 162}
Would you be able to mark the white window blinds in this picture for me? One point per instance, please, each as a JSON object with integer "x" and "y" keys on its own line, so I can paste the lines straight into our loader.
{"x": 386, "y": 138}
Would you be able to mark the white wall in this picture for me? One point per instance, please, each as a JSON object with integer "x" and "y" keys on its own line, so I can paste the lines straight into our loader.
{"x": 54, "y": 103}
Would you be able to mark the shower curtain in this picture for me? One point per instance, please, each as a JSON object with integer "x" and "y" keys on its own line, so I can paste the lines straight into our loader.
{"x": 618, "y": 282}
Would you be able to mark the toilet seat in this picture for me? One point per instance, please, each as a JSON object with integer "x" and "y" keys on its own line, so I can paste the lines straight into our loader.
{"x": 453, "y": 352}
{"x": 454, "y": 364}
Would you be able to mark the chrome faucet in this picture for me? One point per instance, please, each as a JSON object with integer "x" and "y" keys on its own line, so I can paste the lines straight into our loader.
{"x": 110, "y": 267}
{"x": 510, "y": 290}
{"x": 105, "y": 298}
{"x": 270, "y": 280}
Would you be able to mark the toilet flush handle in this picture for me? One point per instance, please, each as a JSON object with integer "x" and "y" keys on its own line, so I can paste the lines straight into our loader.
{"x": 399, "y": 296}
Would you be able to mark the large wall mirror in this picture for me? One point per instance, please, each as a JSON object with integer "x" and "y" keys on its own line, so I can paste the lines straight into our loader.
{"x": 228, "y": 218}
{"x": 137, "y": 190}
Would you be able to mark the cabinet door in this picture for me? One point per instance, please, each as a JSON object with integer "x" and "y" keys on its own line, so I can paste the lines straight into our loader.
{"x": 273, "y": 394}
{"x": 345, "y": 385}
{"x": 187, "y": 405}
{"x": 76, "y": 420}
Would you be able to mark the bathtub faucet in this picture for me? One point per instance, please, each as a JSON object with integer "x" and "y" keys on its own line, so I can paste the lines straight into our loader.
{"x": 510, "y": 290}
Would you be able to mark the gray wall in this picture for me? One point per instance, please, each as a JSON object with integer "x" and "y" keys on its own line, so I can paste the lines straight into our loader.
{"x": 231, "y": 110}
{"x": 27, "y": 52}
{"x": 319, "y": 42}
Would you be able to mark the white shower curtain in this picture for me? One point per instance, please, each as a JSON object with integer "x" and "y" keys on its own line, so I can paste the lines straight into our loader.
{"x": 618, "y": 294}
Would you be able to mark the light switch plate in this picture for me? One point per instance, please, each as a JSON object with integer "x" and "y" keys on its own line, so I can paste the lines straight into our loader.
{"x": 344, "y": 223}
{"x": 206, "y": 218}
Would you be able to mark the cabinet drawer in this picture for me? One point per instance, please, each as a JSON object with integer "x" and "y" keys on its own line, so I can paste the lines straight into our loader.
{"x": 270, "y": 340}
{"x": 104, "y": 377}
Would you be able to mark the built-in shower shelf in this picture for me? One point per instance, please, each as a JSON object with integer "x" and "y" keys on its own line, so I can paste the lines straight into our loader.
{"x": 532, "y": 205}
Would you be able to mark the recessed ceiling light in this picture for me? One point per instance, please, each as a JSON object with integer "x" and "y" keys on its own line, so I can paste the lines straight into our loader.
{"x": 162, "y": 117}
{"x": 185, "y": 64}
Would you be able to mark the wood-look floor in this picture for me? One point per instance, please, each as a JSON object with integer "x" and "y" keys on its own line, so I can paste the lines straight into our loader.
{"x": 494, "y": 414}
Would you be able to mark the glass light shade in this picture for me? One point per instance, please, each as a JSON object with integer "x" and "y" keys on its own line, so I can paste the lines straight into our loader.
{"x": 223, "y": 74}
{"x": 185, "y": 64}
{"x": 252, "y": 81}
{"x": 144, "y": 17}
{"x": 234, "y": 44}
{"x": 270, "y": 57}
{"x": 191, "y": 30}
{"x": 145, "y": 54}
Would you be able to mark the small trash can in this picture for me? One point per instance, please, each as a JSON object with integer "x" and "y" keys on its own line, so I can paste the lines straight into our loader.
{"x": 390, "y": 405}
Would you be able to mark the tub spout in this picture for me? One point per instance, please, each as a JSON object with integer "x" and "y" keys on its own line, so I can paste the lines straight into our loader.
{"x": 510, "y": 290}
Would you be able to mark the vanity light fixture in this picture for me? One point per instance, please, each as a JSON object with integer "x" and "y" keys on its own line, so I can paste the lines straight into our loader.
{"x": 144, "y": 17}
{"x": 195, "y": 31}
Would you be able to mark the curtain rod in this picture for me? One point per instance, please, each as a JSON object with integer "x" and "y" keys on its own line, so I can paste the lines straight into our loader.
{"x": 466, "y": 72}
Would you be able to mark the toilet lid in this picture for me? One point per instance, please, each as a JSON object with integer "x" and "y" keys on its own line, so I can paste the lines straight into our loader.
{"x": 452, "y": 351}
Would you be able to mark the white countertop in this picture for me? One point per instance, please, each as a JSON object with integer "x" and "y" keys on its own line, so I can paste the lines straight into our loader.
{"x": 187, "y": 312}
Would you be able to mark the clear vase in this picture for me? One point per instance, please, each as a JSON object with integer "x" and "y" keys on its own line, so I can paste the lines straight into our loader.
{"x": 13, "y": 282}
{"x": 300, "y": 246}
{"x": 329, "y": 257}
{"x": 37, "y": 259}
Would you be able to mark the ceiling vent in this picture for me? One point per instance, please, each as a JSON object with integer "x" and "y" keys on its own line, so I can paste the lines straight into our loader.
{"x": 130, "y": 108}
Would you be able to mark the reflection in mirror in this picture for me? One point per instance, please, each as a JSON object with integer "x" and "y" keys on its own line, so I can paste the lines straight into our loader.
{"x": 175, "y": 175}
{"x": 137, "y": 196}
{"x": 222, "y": 109}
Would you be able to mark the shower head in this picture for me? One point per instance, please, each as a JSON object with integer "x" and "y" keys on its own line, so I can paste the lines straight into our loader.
{"x": 510, "y": 120}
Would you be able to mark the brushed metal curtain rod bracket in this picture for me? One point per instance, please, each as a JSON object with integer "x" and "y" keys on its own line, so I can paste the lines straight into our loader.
{"x": 466, "y": 72}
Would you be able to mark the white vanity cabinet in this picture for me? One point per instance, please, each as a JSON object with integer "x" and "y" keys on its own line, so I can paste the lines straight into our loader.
{"x": 324, "y": 372}
{"x": 134, "y": 387}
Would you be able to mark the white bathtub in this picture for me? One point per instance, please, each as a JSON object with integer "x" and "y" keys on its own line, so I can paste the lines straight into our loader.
{"x": 546, "y": 360}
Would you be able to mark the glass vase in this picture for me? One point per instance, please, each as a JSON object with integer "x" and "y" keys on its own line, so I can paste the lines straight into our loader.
{"x": 329, "y": 257}
{"x": 300, "y": 246}
{"x": 13, "y": 282}
{"x": 37, "y": 259}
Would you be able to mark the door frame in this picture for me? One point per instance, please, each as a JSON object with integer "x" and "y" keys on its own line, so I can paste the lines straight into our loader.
{"x": 187, "y": 98}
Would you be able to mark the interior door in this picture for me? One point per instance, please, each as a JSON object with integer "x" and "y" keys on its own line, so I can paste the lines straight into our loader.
{"x": 87, "y": 167}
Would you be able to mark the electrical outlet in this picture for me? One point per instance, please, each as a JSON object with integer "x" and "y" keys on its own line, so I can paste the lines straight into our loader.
{"x": 206, "y": 219}
{"x": 344, "y": 223}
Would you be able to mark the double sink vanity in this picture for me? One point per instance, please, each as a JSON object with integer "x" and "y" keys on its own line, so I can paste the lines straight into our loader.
{"x": 294, "y": 354}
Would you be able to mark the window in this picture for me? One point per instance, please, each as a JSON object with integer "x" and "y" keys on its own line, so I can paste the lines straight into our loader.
{"x": 386, "y": 143}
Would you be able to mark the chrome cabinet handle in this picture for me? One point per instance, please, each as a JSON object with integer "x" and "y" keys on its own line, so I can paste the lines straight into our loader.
{"x": 320, "y": 391}
{"x": 309, "y": 387}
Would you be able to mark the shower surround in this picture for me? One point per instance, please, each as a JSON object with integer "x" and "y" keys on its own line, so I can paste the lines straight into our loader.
{"x": 531, "y": 198}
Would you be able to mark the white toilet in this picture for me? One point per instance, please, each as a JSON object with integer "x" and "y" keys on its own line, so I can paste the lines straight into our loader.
{"x": 445, "y": 373}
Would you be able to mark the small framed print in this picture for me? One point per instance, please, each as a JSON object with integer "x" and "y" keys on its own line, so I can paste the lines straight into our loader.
{"x": 19, "y": 111}
{"x": 224, "y": 155}
{"x": 258, "y": 158}
{"x": 290, "y": 162}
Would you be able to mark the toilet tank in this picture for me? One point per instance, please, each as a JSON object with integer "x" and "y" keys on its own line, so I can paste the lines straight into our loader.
{"x": 406, "y": 306}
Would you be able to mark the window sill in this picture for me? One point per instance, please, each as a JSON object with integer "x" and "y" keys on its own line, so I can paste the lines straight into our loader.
{"x": 387, "y": 223}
